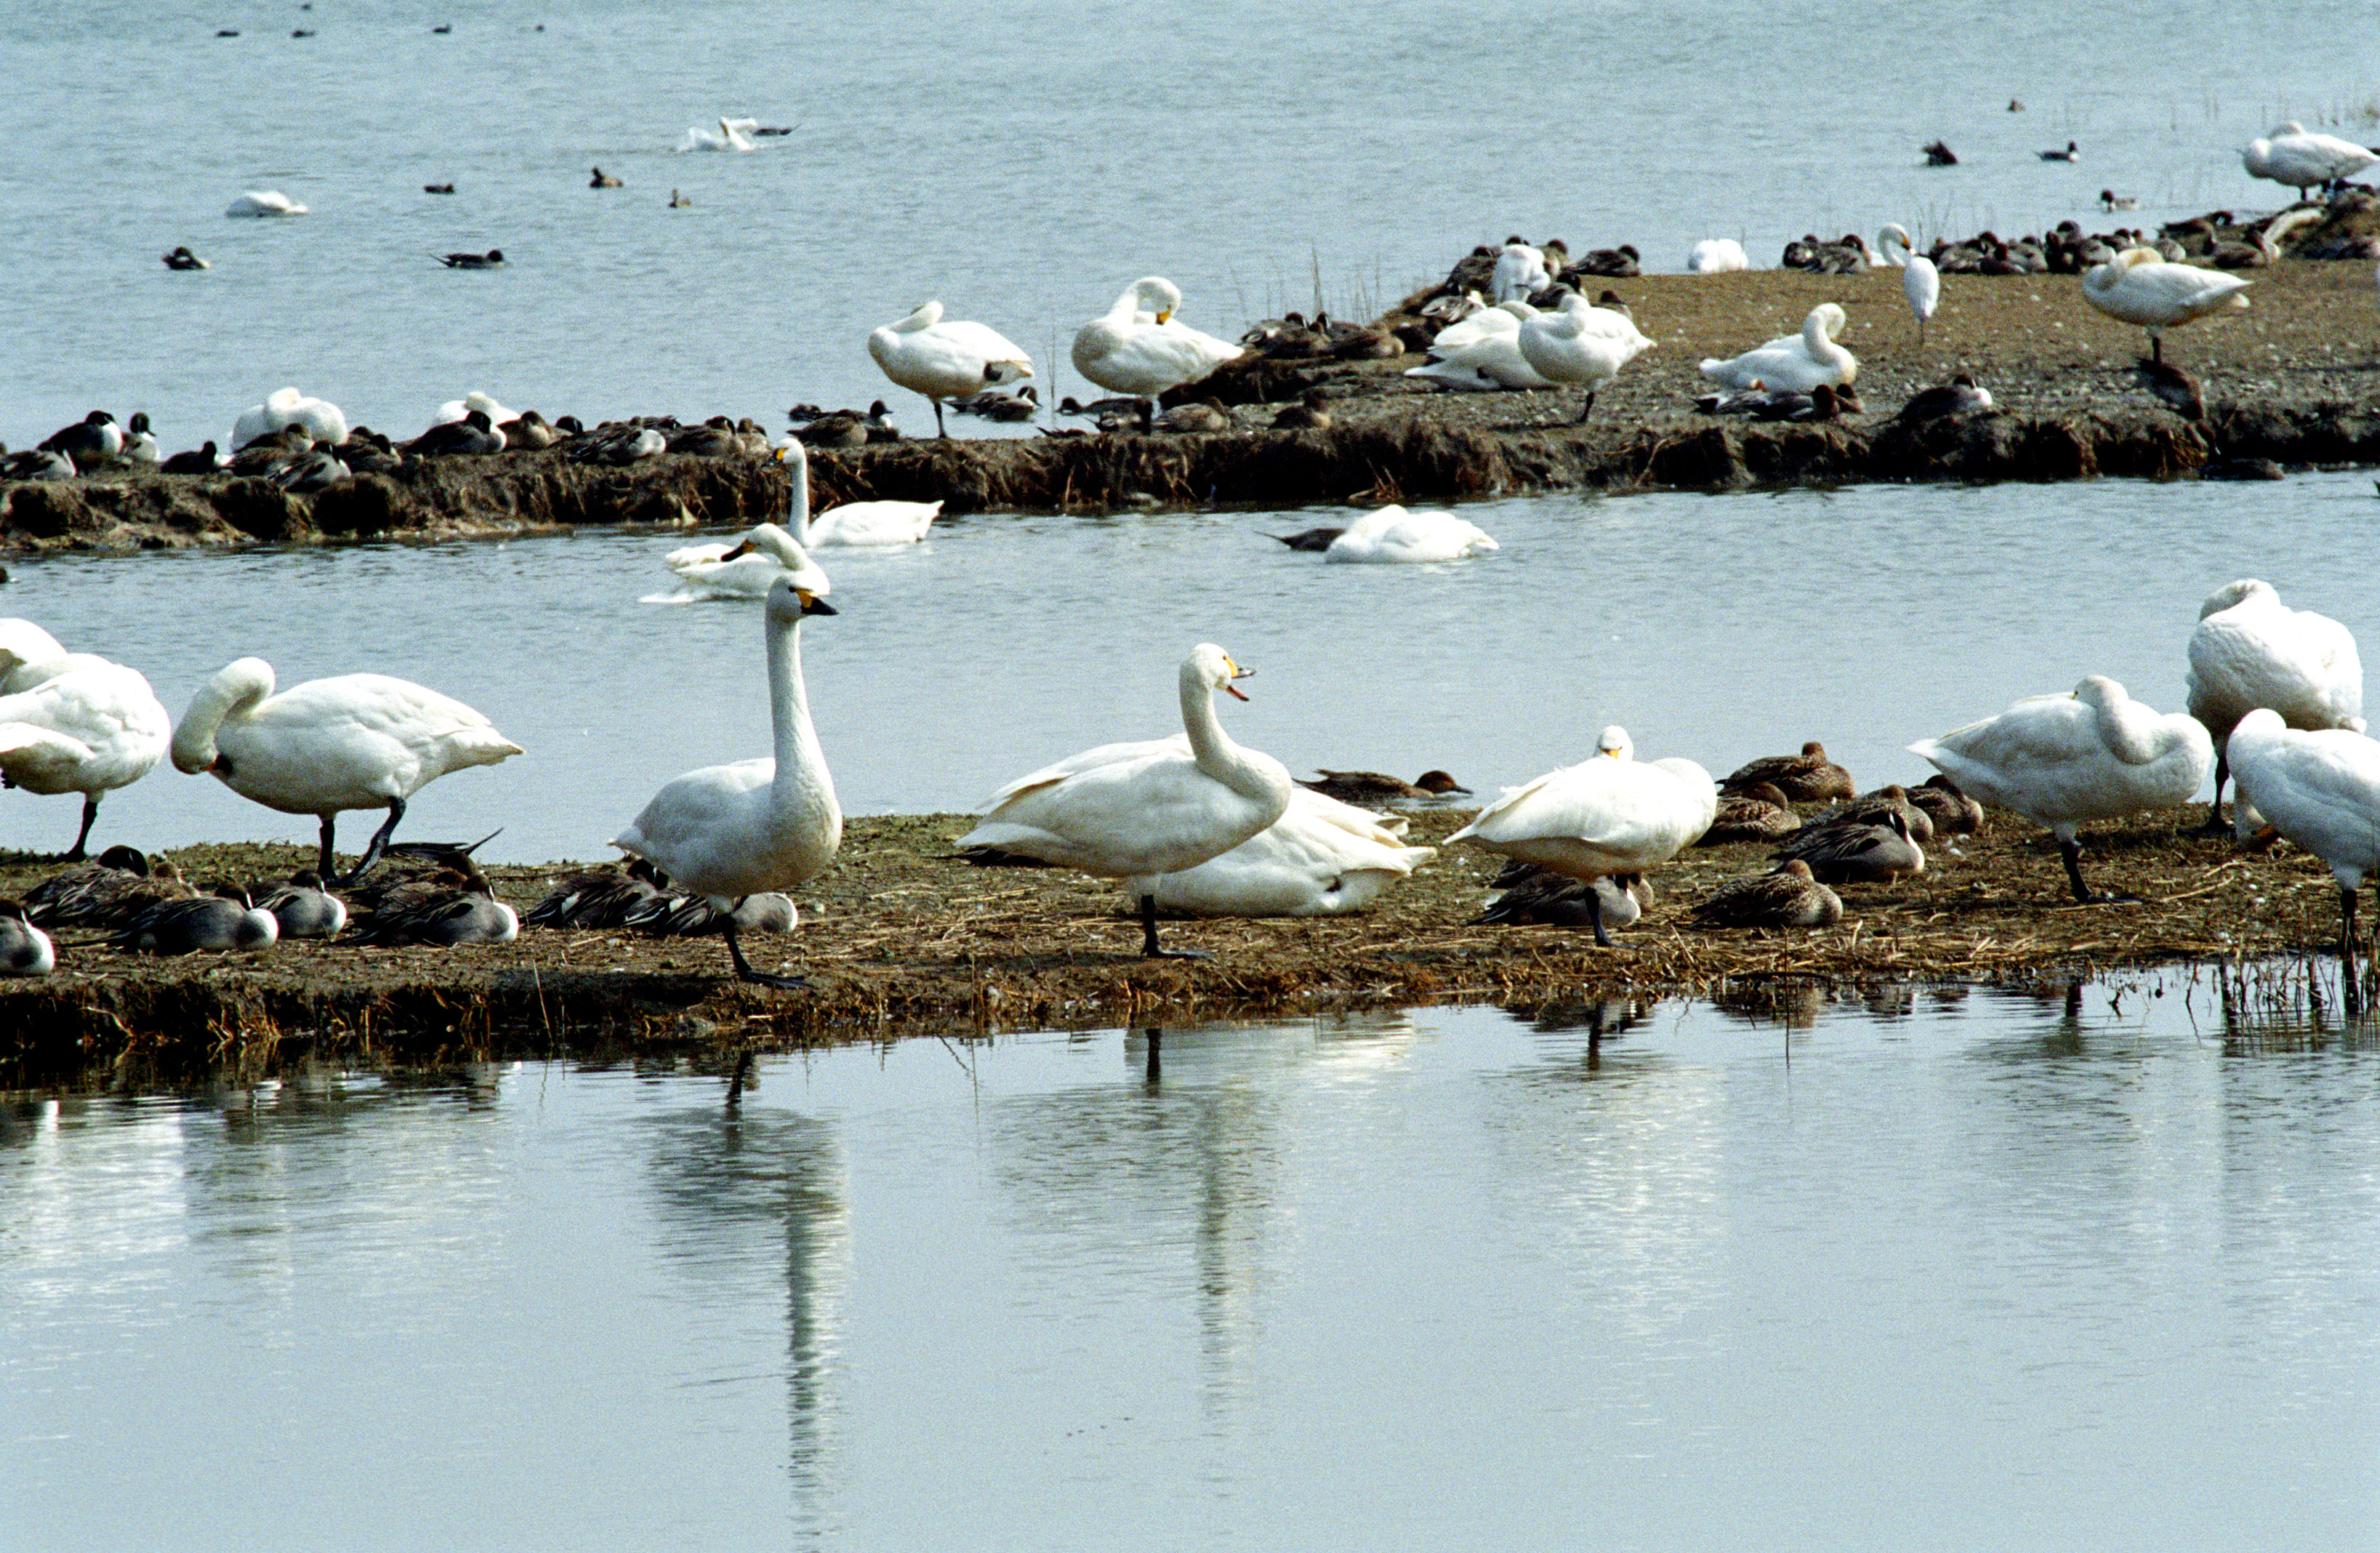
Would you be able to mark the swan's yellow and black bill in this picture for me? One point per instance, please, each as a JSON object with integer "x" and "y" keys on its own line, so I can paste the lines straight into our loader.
{"x": 812, "y": 603}
{"x": 1237, "y": 673}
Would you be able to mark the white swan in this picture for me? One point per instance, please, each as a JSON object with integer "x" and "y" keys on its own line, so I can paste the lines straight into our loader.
{"x": 1504, "y": 318}
{"x": 1488, "y": 363}
{"x": 1320, "y": 858}
{"x": 2288, "y": 154}
{"x": 22, "y": 642}
{"x": 1392, "y": 535}
{"x": 2249, "y": 650}
{"x": 1920, "y": 281}
{"x": 854, "y": 524}
{"x": 2321, "y": 789}
{"x": 941, "y": 360}
{"x": 1126, "y": 353}
{"x": 1580, "y": 345}
{"x": 731, "y": 136}
{"x": 2061, "y": 760}
{"x": 455, "y": 410}
{"x": 1792, "y": 363}
{"x": 746, "y": 569}
{"x": 74, "y": 722}
{"x": 350, "y": 742}
{"x": 1520, "y": 272}
{"x": 1134, "y": 811}
{"x": 726, "y": 833}
{"x": 1607, "y": 815}
{"x": 323, "y": 421}
{"x": 263, "y": 202}
{"x": 2137, "y": 286}
{"x": 1714, "y": 256}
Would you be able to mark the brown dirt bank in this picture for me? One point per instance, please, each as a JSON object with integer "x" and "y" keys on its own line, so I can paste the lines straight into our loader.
{"x": 2296, "y": 379}
{"x": 900, "y": 938}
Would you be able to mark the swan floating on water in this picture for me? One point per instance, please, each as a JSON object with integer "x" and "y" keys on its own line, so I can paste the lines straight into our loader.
{"x": 1607, "y": 815}
{"x": 74, "y": 722}
{"x": 726, "y": 832}
{"x": 1392, "y": 535}
{"x": 264, "y": 202}
{"x": 1137, "y": 810}
{"x": 734, "y": 135}
{"x": 854, "y": 524}
{"x": 945, "y": 360}
{"x": 1792, "y": 363}
{"x": 1127, "y": 352}
{"x": 2063, "y": 760}
{"x": 349, "y": 742}
{"x": 2249, "y": 650}
{"x": 1322, "y": 858}
{"x": 2138, "y": 286}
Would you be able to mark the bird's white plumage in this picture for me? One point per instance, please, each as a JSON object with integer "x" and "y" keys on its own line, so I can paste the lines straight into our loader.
{"x": 263, "y": 202}
{"x": 1320, "y": 858}
{"x": 731, "y": 831}
{"x": 1520, "y": 272}
{"x": 323, "y": 420}
{"x": 2319, "y": 788}
{"x": 2289, "y": 154}
{"x": 2138, "y": 286}
{"x": 1921, "y": 281}
{"x": 1125, "y": 352}
{"x": 2065, "y": 760}
{"x": 78, "y": 723}
{"x": 854, "y": 524}
{"x": 1136, "y": 810}
{"x": 1714, "y": 256}
{"x": 1792, "y": 363}
{"x": 946, "y": 358}
{"x": 1392, "y": 535}
{"x": 348, "y": 742}
{"x": 1578, "y": 344}
{"x": 1609, "y": 814}
{"x": 2249, "y": 650}
{"x": 1487, "y": 362}
{"x": 746, "y": 569}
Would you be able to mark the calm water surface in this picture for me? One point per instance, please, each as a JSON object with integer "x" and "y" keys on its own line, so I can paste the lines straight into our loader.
{"x": 1715, "y": 627}
{"x": 1944, "y": 1271}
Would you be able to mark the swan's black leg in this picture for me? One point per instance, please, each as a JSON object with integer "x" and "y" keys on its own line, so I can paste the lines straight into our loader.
{"x": 2214, "y": 826}
{"x": 1148, "y": 936}
{"x": 744, "y": 970}
{"x": 90, "y": 814}
{"x": 327, "y": 861}
{"x": 2352, "y": 984}
{"x": 939, "y": 430}
{"x": 1586, "y": 406}
{"x": 2072, "y": 853}
{"x": 378, "y": 845}
{"x": 1155, "y": 1068}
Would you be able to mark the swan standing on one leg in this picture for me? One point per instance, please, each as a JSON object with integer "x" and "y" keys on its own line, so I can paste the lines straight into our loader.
{"x": 1792, "y": 363}
{"x": 2320, "y": 789}
{"x": 2139, "y": 287}
{"x": 945, "y": 360}
{"x": 1134, "y": 811}
{"x": 1580, "y": 344}
{"x": 726, "y": 832}
{"x": 1124, "y": 353}
{"x": 74, "y": 722}
{"x": 2061, "y": 760}
{"x": 1920, "y": 281}
{"x": 1607, "y": 815}
{"x": 350, "y": 742}
{"x": 2249, "y": 650}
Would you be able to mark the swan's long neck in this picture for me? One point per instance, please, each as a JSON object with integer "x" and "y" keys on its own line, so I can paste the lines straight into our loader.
{"x": 797, "y": 507}
{"x": 1217, "y": 755}
{"x": 801, "y": 772}
{"x": 237, "y": 688}
{"x": 2128, "y": 729}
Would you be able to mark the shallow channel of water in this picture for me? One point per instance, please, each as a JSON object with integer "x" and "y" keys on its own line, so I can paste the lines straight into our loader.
{"x": 1950, "y": 1269}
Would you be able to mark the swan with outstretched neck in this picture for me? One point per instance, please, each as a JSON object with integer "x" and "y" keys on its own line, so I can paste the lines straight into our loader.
{"x": 1137, "y": 810}
{"x": 727, "y": 832}
{"x": 349, "y": 742}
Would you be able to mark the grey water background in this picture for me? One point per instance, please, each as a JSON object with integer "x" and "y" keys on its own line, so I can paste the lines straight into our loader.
{"x": 1957, "y": 1269}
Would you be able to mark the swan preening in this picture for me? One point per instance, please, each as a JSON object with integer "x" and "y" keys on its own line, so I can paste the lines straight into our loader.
{"x": 2321, "y": 789}
{"x": 1607, "y": 815}
{"x": 2139, "y": 287}
{"x": 1792, "y": 363}
{"x": 2289, "y": 154}
{"x": 945, "y": 360}
{"x": 1520, "y": 272}
{"x": 734, "y": 134}
{"x": 73, "y": 722}
{"x": 1392, "y": 535}
{"x": 2249, "y": 650}
{"x": 726, "y": 832}
{"x": 1138, "y": 348}
{"x": 1138, "y": 810}
{"x": 2065, "y": 760}
{"x": 349, "y": 742}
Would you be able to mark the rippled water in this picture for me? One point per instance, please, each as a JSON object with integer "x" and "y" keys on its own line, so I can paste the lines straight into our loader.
{"x": 1971, "y": 1270}
{"x": 1714, "y": 628}
{"x": 1024, "y": 162}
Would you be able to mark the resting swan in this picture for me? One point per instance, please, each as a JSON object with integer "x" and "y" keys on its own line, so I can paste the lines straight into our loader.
{"x": 2320, "y": 789}
{"x": 2249, "y": 650}
{"x": 1792, "y": 363}
{"x": 1134, "y": 811}
{"x": 350, "y": 742}
{"x": 1320, "y": 858}
{"x": 1580, "y": 345}
{"x": 945, "y": 360}
{"x": 1489, "y": 361}
{"x": 2061, "y": 761}
{"x": 1920, "y": 281}
{"x": 2138, "y": 286}
{"x": 1607, "y": 815}
{"x": 1126, "y": 353}
{"x": 726, "y": 833}
{"x": 2290, "y": 155}
{"x": 263, "y": 202}
{"x": 286, "y": 407}
{"x": 1392, "y": 535}
{"x": 74, "y": 722}
{"x": 1714, "y": 256}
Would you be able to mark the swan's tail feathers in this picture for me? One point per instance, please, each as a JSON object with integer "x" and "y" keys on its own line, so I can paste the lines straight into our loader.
{"x": 485, "y": 746}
